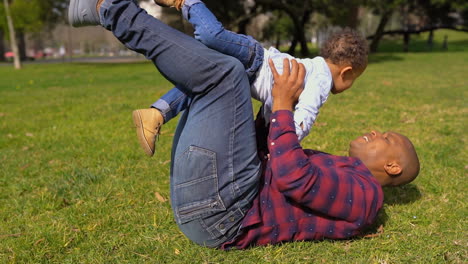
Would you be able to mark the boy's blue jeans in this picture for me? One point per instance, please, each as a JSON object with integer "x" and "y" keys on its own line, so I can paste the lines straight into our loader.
{"x": 215, "y": 169}
{"x": 209, "y": 31}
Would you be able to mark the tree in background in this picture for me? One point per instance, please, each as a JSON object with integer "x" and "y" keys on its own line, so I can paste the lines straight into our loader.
{"x": 278, "y": 28}
{"x": 438, "y": 14}
{"x": 299, "y": 12}
{"x": 234, "y": 15}
{"x": 31, "y": 16}
{"x": 385, "y": 9}
{"x": 341, "y": 13}
{"x": 11, "y": 29}
{"x": 430, "y": 15}
{"x": 2, "y": 33}
{"x": 51, "y": 13}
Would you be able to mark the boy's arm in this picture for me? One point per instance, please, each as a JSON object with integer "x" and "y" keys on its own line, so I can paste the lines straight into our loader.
{"x": 313, "y": 96}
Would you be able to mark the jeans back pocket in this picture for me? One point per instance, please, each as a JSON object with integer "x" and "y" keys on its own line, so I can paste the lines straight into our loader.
{"x": 195, "y": 185}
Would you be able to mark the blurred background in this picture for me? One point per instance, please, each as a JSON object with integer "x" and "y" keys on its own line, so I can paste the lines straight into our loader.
{"x": 296, "y": 26}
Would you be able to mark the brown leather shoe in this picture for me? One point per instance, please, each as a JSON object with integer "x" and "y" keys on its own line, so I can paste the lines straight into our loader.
{"x": 170, "y": 3}
{"x": 148, "y": 122}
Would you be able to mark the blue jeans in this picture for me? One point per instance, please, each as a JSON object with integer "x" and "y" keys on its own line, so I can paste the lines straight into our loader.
{"x": 215, "y": 170}
{"x": 209, "y": 31}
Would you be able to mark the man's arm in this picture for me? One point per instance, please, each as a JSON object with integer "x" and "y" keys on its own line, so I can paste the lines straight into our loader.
{"x": 347, "y": 194}
{"x": 326, "y": 185}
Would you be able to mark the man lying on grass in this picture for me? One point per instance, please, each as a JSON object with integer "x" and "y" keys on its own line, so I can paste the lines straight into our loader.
{"x": 225, "y": 190}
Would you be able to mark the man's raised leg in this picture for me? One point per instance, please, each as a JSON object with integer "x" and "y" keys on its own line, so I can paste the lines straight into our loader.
{"x": 214, "y": 169}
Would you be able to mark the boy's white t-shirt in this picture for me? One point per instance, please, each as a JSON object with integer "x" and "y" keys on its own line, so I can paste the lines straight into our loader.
{"x": 317, "y": 85}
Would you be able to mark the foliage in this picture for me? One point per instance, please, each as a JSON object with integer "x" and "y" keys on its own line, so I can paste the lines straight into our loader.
{"x": 279, "y": 27}
{"x": 33, "y": 15}
{"x": 76, "y": 188}
{"x": 230, "y": 13}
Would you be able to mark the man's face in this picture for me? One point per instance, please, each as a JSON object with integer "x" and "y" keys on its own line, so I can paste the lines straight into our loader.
{"x": 376, "y": 149}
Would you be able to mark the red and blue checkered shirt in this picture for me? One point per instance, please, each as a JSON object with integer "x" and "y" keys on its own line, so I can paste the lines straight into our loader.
{"x": 306, "y": 194}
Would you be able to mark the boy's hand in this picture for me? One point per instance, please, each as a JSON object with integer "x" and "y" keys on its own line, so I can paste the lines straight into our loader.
{"x": 287, "y": 86}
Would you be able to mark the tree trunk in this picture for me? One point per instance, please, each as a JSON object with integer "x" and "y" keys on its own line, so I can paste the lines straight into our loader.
{"x": 406, "y": 41}
{"x": 353, "y": 19}
{"x": 430, "y": 40}
{"x": 21, "y": 45}
{"x": 299, "y": 34}
{"x": 11, "y": 28}
{"x": 292, "y": 48}
{"x": 2, "y": 45}
{"x": 380, "y": 30}
{"x": 278, "y": 41}
{"x": 303, "y": 40}
{"x": 242, "y": 26}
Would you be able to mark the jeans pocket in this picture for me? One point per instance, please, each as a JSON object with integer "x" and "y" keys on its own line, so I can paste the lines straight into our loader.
{"x": 195, "y": 179}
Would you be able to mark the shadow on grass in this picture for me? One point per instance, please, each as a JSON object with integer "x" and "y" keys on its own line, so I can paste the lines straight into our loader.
{"x": 406, "y": 194}
{"x": 379, "y": 58}
{"x": 393, "y": 195}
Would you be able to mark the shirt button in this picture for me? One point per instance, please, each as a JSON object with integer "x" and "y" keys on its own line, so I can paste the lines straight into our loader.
{"x": 232, "y": 219}
{"x": 273, "y": 120}
{"x": 272, "y": 143}
{"x": 222, "y": 226}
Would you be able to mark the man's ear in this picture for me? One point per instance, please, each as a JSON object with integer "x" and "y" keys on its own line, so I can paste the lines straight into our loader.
{"x": 393, "y": 169}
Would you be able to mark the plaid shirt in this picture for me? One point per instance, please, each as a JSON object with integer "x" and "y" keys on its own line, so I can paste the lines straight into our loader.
{"x": 306, "y": 194}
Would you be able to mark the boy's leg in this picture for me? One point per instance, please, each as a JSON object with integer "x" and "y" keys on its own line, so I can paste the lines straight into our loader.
{"x": 148, "y": 121}
{"x": 211, "y": 32}
{"x": 172, "y": 103}
{"x": 215, "y": 169}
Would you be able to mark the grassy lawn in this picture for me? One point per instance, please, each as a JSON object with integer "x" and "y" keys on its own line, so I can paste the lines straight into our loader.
{"x": 76, "y": 188}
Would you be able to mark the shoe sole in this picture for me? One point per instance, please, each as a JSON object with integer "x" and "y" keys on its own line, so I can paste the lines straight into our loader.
{"x": 72, "y": 10}
{"x": 141, "y": 133}
{"x": 162, "y": 4}
{"x": 80, "y": 20}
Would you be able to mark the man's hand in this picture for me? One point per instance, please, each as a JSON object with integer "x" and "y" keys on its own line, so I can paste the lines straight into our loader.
{"x": 288, "y": 86}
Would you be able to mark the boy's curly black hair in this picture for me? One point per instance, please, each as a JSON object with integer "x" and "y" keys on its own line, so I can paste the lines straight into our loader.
{"x": 346, "y": 46}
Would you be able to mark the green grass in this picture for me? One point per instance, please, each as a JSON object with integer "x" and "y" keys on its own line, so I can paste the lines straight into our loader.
{"x": 76, "y": 188}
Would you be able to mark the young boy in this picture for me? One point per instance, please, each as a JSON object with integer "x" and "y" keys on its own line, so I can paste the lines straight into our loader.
{"x": 343, "y": 58}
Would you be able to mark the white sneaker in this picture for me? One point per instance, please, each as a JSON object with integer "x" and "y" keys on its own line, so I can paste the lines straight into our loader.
{"x": 83, "y": 13}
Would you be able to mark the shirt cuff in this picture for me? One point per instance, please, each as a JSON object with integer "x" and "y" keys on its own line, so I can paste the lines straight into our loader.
{"x": 281, "y": 122}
